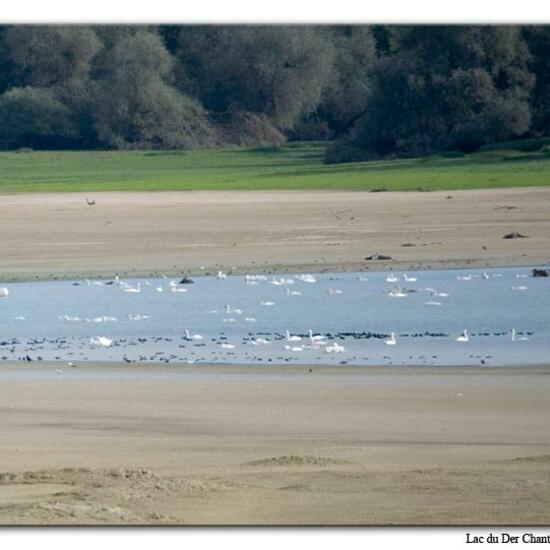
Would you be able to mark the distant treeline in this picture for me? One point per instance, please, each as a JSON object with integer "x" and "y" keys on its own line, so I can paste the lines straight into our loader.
{"x": 373, "y": 91}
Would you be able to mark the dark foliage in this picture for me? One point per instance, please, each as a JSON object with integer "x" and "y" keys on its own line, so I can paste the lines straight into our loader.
{"x": 374, "y": 91}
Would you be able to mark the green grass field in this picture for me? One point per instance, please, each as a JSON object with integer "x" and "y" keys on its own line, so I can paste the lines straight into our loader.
{"x": 295, "y": 166}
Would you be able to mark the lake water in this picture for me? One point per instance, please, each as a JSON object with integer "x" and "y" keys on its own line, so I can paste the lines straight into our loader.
{"x": 93, "y": 321}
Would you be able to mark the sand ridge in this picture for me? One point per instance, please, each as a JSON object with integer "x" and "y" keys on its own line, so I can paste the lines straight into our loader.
{"x": 278, "y": 446}
{"x": 59, "y": 235}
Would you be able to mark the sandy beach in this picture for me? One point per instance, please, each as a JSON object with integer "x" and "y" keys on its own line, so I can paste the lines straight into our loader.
{"x": 109, "y": 444}
{"x": 195, "y": 445}
{"x": 47, "y": 236}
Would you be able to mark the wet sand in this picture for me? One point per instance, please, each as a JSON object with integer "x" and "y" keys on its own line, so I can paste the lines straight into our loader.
{"x": 59, "y": 235}
{"x": 111, "y": 444}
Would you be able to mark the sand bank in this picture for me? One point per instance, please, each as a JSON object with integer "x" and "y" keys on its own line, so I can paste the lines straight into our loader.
{"x": 256, "y": 445}
{"x": 59, "y": 235}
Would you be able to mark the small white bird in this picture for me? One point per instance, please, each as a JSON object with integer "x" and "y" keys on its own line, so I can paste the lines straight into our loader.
{"x": 221, "y": 275}
{"x": 464, "y": 337}
{"x": 227, "y": 346}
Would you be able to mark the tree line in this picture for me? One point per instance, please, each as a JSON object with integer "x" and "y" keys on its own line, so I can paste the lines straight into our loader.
{"x": 371, "y": 91}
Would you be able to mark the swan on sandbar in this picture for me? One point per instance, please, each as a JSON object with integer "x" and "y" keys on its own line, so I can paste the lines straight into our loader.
{"x": 464, "y": 337}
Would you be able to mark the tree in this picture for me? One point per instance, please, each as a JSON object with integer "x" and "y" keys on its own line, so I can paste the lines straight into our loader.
{"x": 446, "y": 87}
{"x": 134, "y": 105}
{"x": 30, "y": 117}
{"x": 277, "y": 71}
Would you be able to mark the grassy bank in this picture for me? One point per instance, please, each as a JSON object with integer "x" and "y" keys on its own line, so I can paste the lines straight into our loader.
{"x": 295, "y": 166}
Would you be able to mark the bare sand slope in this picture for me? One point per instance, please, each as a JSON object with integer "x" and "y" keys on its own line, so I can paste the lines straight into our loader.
{"x": 276, "y": 446}
{"x": 143, "y": 233}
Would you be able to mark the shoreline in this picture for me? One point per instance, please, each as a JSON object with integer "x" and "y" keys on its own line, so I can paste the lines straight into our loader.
{"x": 59, "y": 237}
{"x": 376, "y": 267}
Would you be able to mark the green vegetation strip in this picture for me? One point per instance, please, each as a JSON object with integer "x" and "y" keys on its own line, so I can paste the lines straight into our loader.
{"x": 294, "y": 166}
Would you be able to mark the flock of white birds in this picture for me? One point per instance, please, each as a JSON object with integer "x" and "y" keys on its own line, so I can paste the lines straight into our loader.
{"x": 291, "y": 342}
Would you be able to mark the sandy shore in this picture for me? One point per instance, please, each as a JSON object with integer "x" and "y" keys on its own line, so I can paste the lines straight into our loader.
{"x": 253, "y": 445}
{"x": 58, "y": 235}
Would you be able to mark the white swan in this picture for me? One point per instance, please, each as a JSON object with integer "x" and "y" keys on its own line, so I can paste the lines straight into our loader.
{"x": 174, "y": 289}
{"x": 267, "y": 303}
{"x": 293, "y": 292}
{"x": 315, "y": 337}
{"x": 305, "y": 278}
{"x": 189, "y": 336}
{"x": 221, "y": 275}
{"x": 391, "y": 341}
{"x": 334, "y": 291}
{"x": 4, "y": 292}
{"x": 392, "y": 278}
{"x": 290, "y": 338}
{"x": 101, "y": 341}
{"x": 409, "y": 279}
{"x": 229, "y": 310}
{"x": 335, "y": 348}
{"x": 397, "y": 293}
{"x": 260, "y": 342}
{"x": 464, "y": 337}
{"x": 227, "y": 346}
{"x": 133, "y": 289}
{"x": 515, "y": 336}
{"x": 294, "y": 348}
